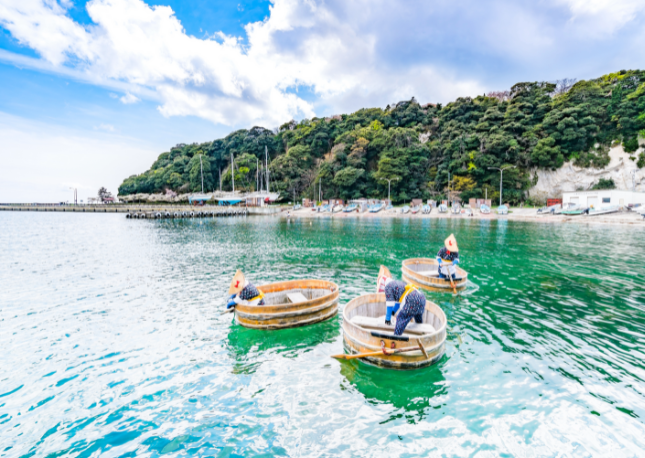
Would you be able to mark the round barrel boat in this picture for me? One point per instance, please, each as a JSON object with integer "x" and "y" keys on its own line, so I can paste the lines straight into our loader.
{"x": 289, "y": 304}
{"x": 365, "y": 331}
{"x": 424, "y": 273}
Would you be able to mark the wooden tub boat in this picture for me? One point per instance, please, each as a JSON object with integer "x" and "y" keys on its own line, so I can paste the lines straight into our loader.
{"x": 289, "y": 304}
{"x": 424, "y": 273}
{"x": 365, "y": 331}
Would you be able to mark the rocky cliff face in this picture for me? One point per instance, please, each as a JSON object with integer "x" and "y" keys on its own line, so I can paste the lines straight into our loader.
{"x": 621, "y": 169}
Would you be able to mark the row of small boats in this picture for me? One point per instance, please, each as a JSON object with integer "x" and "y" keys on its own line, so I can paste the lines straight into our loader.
{"x": 296, "y": 303}
{"x": 415, "y": 209}
{"x": 573, "y": 209}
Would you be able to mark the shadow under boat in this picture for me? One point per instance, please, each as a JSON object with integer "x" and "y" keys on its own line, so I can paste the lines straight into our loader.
{"x": 409, "y": 390}
{"x": 252, "y": 346}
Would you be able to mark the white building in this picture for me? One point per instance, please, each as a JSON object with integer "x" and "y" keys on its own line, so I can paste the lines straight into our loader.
{"x": 604, "y": 197}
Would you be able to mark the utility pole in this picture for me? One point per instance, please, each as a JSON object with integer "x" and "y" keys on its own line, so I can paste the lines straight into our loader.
{"x": 220, "y": 178}
{"x": 501, "y": 176}
{"x": 389, "y": 181}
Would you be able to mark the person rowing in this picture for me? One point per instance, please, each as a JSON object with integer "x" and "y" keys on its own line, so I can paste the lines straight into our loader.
{"x": 400, "y": 296}
{"x": 243, "y": 293}
{"x": 448, "y": 258}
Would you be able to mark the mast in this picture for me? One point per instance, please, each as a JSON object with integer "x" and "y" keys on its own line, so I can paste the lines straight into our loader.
{"x": 201, "y": 166}
{"x": 257, "y": 174}
{"x": 220, "y": 178}
{"x": 266, "y": 158}
{"x": 233, "y": 172}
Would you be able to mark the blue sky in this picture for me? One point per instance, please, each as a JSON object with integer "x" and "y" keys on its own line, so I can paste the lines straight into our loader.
{"x": 94, "y": 91}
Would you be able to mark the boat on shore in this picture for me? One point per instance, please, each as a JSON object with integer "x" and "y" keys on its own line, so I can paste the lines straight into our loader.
{"x": 455, "y": 209}
{"x": 289, "y": 304}
{"x": 468, "y": 211}
{"x": 389, "y": 208}
{"x": 350, "y": 208}
{"x": 574, "y": 210}
{"x": 338, "y": 208}
{"x": 365, "y": 331}
{"x": 604, "y": 210}
{"x": 414, "y": 210}
{"x": 426, "y": 209}
{"x": 376, "y": 208}
{"x": 502, "y": 210}
{"x": 552, "y": 209}
{"x": 424, "y": 273}
{"x": 405, "y": 209}
{"x": 443, "y": 208}
{"x": 484, "y": 209}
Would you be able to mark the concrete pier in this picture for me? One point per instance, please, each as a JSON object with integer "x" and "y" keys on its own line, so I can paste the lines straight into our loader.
{"x": 135, "y": 211}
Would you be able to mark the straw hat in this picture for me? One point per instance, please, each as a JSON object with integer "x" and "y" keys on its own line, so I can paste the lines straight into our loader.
{"x": 451, "y": 244}
{"x": 383, "y": 275}
{"x": 238, "y": 283}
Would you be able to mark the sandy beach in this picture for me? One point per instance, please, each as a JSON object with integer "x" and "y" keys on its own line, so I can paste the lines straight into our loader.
{"x": 515, "y": 214}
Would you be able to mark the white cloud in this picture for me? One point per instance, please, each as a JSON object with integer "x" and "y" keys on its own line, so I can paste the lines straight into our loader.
{"x": 60, "y": 158}
{"x": 129, "y": 98}
{"x": 106, "y": 127}
{"x": 343, "y": 55}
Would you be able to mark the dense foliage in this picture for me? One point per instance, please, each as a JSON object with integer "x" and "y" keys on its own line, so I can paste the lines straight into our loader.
{"x": 421, "y": 148}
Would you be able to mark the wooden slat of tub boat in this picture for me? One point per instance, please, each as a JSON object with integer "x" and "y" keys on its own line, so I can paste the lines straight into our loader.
{"x": 356, "y": 339}
{"x": 289, "y": 315}
{"x": 430, "y": 283}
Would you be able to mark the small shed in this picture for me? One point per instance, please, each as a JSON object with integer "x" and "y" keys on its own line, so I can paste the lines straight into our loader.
{"x": 416, "y": 202}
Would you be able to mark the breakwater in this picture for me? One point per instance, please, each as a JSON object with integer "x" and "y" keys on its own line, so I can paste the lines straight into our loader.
{"x": 148, "y": 211}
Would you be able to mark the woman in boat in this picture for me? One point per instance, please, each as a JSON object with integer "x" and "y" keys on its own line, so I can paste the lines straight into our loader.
{"x": 400, "y": 296}
{"x": 450, "y": 252}
{"x": 242, "y": 292}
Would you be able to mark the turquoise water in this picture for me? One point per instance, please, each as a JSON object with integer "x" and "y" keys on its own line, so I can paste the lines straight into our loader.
{"x": 112, "y": 342}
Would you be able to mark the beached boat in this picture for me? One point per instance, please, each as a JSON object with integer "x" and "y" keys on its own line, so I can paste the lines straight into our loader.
{"x": 455, "y": 209}
{"x": 389, "y": 208}
{"x": 552, "y": 209}
{"x": 574, "y": 211}
{"x": 297, "y": 207}
{"x": 424, "y": 273}
{"x": 350, "y": 208}
{"x": 289, "y": 304}
{"x": 337, "y": 209}
{"x": 414, "y": 210}
{"x": 376, "y": 208}
{"x": 405, "y": 209}
{"x": 426, "y": 209}
{"x": 564, "y": 207}
{"x": 604, "y": 210}
{"x": 502, "y": 210}
{"x": 443, "y": 208}
{"x": 467, "y": 211}
{"x": 484, "y": 209}
{"x": 365, "y": 331}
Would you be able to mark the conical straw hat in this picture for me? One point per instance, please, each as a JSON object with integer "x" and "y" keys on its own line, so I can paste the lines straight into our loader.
{"x": 383, "y": 275}
{"x": 237, "y": 284}
{"x": 451, "y": 244}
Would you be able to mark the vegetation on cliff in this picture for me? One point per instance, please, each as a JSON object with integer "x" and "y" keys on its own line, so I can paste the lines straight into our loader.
{"x": 421, "y": 147}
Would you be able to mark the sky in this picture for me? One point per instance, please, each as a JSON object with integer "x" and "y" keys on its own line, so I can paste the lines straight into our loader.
{"x": 92, "y": 92}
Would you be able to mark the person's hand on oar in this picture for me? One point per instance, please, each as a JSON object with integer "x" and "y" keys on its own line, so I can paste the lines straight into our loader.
{"x": 230, "y": 306}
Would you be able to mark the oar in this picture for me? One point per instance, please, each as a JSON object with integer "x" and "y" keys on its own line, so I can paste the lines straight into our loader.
{"x": 232, "y": 309}
{"x": 454, "y": 289}
{"x": 384, "y": 351}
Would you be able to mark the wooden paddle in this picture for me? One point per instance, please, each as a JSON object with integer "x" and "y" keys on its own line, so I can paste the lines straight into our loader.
{"x": 454, "y": 289}
{"x": 232, "y": 309}
{"x": 383, "y": 351}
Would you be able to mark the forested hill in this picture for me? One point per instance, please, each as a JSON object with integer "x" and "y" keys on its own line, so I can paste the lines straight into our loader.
{"x": 421, "y": 146}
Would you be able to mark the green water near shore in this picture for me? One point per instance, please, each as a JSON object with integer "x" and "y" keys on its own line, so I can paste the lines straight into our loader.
{"x": 113, "y": 342}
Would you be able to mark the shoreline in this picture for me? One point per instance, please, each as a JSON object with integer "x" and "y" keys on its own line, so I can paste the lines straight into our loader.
{"x": 623, "y": 218}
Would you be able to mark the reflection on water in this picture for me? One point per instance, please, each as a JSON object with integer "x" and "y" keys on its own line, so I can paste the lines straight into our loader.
{"x": 113, "y": 342}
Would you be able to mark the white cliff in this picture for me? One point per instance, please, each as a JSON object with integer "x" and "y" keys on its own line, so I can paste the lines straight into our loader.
{"x": 621, "y": 169}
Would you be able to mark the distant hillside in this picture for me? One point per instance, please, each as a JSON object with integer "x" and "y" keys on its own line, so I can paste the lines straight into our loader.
{"x": 420, "y": 146}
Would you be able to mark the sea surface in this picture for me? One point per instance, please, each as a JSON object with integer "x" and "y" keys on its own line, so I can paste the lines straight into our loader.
{"x": 112, "y": 342}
